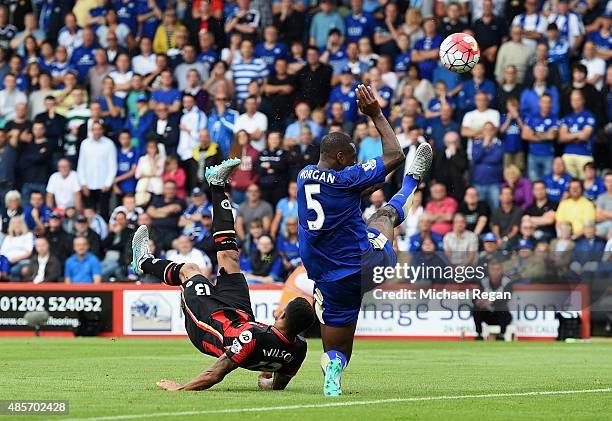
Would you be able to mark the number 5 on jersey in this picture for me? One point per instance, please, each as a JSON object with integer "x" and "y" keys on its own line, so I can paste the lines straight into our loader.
{"x": 315, "y": 205}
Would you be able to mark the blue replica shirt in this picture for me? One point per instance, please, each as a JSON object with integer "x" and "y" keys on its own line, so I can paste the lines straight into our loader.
{"x": 358, "y": 26}
{"x": 467, "y": 94}
{"x": 221, "y": 128}
{"x": 427, "y": 44}
{"x": 125, "y": 161}
{"x": 416, "y": 241}
{"x": 82, "y": 60}
{"x": 556, "y": 188}
{"x": 337, "y": 60}
{"x": 575, "y": 122}
{"x": 195, "y": 230}
{"x": 44, "y": 212}
{"x": 166, "y": 97}
{"x": 541, "y": 125}
{"x": 97, "y": 12}
{"x": 386, "y": 93}
{"x": 270, "y": 55}
{"x": 349, "y": 104}
{"x": 290, "y": 250}
{"x": 115, "y": 122}
{"x": 512, "y": 139}
{"x": 149, "y": 26}
{"x": 209, "y": 58}
{"x": 82, "y": 271}
{"x": 601, "y": 42}
{"x": 332, "y": 232}
{"x": 596, "y": 189}
{"x": 434, "y": 106}
{"x": 558, "y": 54}
{"x": 126, "y": 14}
{"x": 402, "y": 61}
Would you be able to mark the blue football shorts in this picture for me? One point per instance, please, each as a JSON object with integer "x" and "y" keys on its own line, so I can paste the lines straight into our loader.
{"x": 337, "y": 303}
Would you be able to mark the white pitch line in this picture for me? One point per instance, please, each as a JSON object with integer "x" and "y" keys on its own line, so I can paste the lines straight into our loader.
{"x": 340, "y": 404}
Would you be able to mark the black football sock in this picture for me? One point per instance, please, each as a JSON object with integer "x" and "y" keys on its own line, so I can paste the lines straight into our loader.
{"x": 166, "y": 270}
{"x": 224, "y": 233}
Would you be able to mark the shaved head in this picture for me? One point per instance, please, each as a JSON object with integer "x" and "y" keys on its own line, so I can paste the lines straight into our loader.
{"x": 337, "y": 150}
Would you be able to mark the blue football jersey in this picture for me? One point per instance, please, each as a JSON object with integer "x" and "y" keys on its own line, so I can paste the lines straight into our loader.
{"x": 575, "y": 122}
{"x": 331, "y": 230}
{"x": 541, "y": 125}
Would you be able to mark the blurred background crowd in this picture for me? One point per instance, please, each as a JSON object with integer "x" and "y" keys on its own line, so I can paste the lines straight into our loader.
{"x": 110, "y": 112}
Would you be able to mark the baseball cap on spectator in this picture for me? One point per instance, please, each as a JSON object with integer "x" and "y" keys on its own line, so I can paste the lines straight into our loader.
{"x": 346, "y": 69}
{"x": 197, "y": 192}
{"x": 81, "y": 218}
{"x": 55, "y": 215}
{"x": 525, "y": 244}
{"x": 489, "y": 236}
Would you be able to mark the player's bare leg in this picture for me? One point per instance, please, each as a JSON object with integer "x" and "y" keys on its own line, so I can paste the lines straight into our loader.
{"x": 392, "y": 214}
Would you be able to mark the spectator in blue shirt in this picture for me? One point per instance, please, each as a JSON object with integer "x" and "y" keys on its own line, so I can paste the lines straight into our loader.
{"x": 270, "y": 49}
{"x": 588, "y": 252}
{"x": 344, "y": 93}
{"x": 402, "y": 60}
{"x": 139, "y": 122}
{"x": 444, "y": 125}
{"x": 467, "y": 95}
{"x": 334, "y": 53}
{"x": 371, "y": 146}
{"x": 487, "y": 170}
{"x": 150, "y": 17}
{"x": 540, "y": 131}
{"x": 82, "y": 267}
{"x": 558, "y": 52}
{"x": 37, "y": 215}
{"x": 324, "y": 21}
{"x": 221, "y": 121}
{"x": 167, "y": 93}
{"x": 126, "y": 13}
{"x": 82, "y": 58}
{"x": 426, "y": 50}
{"x": 577, "y": 133}
{"x": 127, "y": 159}
{"x": 359, "y": 23}
{"x": 530, "y": 98}
{"x": 416, "y": 240}
{"x": 287, "y": 245}
{"x": 285, "y": 208}
{"x": 557, "y": 181}
{"x": 593, "y": 184}
{"x": 434, "y": 108}
{"x": 510, "y": 128}
{"x": 112, "y": 105}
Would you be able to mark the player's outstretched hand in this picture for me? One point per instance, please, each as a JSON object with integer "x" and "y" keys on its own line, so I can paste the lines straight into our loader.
{"x": 168, "y": 385}
{"x": 265, "y": 380}
{"x": 366, "y": 101}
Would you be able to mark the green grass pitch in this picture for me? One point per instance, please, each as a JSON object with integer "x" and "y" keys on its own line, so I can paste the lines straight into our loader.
{"x": 114, "y": 379}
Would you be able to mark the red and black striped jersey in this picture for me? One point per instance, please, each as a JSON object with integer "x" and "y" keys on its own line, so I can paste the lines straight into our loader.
{"x": 257, "y": 346}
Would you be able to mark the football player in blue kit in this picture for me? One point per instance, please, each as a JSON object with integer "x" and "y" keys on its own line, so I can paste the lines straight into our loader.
{"x": 339, "y": 250}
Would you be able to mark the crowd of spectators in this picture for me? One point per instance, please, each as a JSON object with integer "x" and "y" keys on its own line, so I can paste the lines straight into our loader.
{"x": 110, "y": 112}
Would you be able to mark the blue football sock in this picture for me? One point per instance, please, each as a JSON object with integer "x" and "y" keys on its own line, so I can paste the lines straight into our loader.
{"x": 402, "y": 201}
{"x": 332, "y": 355}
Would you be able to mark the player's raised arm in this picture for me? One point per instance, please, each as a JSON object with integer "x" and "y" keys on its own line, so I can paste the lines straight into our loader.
{"x": 392, "y": 156}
